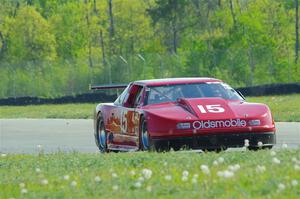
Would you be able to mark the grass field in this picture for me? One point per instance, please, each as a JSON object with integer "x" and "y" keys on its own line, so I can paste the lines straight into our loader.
{"x": 75, "y": 111}
{"x": 238, "y": 174}
{"x": 284, "y": 108}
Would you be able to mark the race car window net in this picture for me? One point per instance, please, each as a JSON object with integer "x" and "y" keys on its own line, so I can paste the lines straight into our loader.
{"x": 135, "y": 91}
{"x": 169, "y": 93}
{"x": 138, "y": 97}
{"x": 121, "y": 98}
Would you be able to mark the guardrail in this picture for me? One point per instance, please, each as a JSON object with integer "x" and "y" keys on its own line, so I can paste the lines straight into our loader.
{"x": 98, "y": 97}
{"x": 270, "y": 89}
{"x": 82, "y": 98}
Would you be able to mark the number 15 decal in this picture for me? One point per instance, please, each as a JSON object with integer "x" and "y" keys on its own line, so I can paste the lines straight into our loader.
{"x": 214, "y": 108}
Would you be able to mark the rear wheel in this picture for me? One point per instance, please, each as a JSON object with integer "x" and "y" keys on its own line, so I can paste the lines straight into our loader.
{"x": 101, "y": 135}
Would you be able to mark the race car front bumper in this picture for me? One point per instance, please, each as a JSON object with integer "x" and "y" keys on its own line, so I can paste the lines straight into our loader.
{"x": 217, "y": 141}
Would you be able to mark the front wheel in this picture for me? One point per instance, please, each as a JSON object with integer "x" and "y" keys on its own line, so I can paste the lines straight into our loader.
{"x": 101, "y": 135}
{"x": 145, "y": 139}
{"x": 146, "y": 142}
{"x": 255, "y": 148}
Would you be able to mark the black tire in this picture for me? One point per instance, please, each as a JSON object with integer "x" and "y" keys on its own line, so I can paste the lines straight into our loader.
{"x": 176, "y": 147}
{"x": 145, "y": 140}
{"x": 101, "y": 135}
{"x": 268, "y": 147}
{"x": 216, "y": 150}
{"x": 255, "y": 148}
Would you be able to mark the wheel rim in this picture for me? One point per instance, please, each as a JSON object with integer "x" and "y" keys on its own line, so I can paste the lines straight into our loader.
{"x": 145, "y": 136}
{"x": 101, "y": 135}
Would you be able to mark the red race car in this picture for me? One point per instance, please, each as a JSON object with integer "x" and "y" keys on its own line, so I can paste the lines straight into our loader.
{"x": 195, "y": 113}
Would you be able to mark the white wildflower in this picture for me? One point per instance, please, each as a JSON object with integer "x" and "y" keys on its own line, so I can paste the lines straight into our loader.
{"x": 39, "y": 147}
{"x": 132, "y": 172}
{"x": 228, "y": 174}
{"x": 38, "y": 170}
{"x": 281, "y": 186}
{"x": 260, "y": 144}
{"x": 22, "y": 185}
{"x": 294, "y": 183}
{"x": 23, "y": 191}
{"x": 273, "y": 153}
{"x": 147, "y": 173}
{"x": 276, "y": 160}
{"x": 220, "y": 160}
{"x": 260, "y": 169}
{"x": 73, "y": 184}
{"x": 195, "y": 175}
{"x": 295, "y": 160}
{"x": 168, "y": 177}
{"x": 115, "y": 187}
{"x": 97, "y": 179}
{"x": 185, "y": 173}
{"x": 194, "y": 180}
{"x": 141, "y": 179}
{"x": 137, "y": 184}
{"x": 3, "y": 155}
{"x": 246, "y": 143}
{"x": 284, "y": 146}
{"x": 149, "y": 188}
{"x": 215, "y": 163}
{"x": 225, "y": 174}
{"x": 205, "y": 169}
{"x": 220, "y": 173}
{"x": 114, "y": 175}
{"x": 297, "y": 167}
{"x": 184, "y": 178}
{"x": 66, "y": 177}
{"x": 234, "y": 168}
{"x": 44, "y": 182}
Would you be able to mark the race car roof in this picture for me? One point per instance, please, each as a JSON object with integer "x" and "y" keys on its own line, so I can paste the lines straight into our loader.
{"x": 170, "y": 81}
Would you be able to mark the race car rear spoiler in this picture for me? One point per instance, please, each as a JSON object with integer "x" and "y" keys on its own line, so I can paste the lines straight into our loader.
{"x": 107, "y": 86}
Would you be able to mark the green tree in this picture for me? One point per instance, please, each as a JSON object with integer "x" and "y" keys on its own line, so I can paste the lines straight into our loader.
{"x": 30, "y": 38}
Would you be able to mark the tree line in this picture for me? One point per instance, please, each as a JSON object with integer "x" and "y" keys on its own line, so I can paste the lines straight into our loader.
{"x": 55, "y": 48}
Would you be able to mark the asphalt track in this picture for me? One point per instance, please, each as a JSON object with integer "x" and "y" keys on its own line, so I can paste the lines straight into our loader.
{"x": 52, "y": 135}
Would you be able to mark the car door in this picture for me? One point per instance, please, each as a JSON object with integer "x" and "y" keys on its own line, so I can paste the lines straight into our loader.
{"x": 127, "y": 133}
{"x": 113, "y": 119}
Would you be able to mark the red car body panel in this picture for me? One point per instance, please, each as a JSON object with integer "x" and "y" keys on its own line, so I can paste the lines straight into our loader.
{"x": 206, "y": 116}
{"x": 164, "y": 117}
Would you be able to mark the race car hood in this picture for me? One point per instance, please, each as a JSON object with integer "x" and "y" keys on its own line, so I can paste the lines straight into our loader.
{"x": 208, "y": 109}
{"x": 218, "y": 108}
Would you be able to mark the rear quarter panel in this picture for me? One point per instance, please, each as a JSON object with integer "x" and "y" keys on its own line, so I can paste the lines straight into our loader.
{"x": 108, "y": 111}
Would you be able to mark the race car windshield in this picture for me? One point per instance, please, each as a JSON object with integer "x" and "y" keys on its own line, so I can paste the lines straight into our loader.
{"x": 169, "y": 93}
